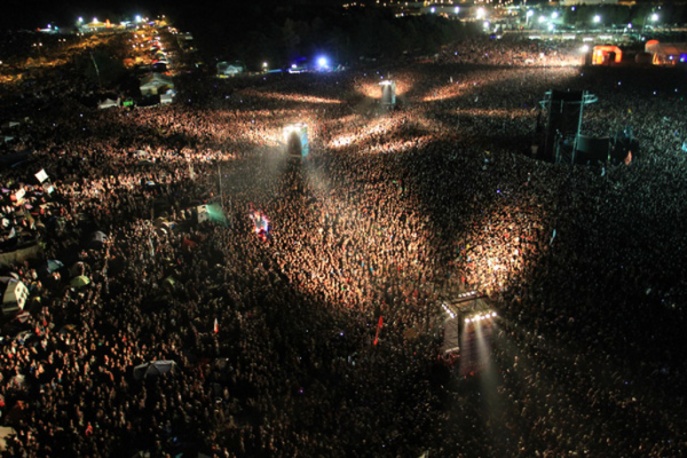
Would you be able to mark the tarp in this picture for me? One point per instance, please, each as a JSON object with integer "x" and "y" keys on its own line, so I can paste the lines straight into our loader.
{"x": 5, "y": 433}
{"x": 50, "y": 266}
{"x": 98, "y": 238}
{"x": 80, "y": 281}
{"x": 211, "y": 212}
{"x": 153, "y": 369}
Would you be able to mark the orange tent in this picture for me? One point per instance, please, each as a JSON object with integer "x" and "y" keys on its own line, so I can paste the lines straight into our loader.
{"x": 606, "y": 54}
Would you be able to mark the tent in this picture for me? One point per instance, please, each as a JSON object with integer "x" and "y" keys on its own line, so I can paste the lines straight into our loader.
{"x": 15, "y": 296}
{"x": 80, "y": 281}
{"x": 230, "y": 69}
{"x": 108, "y": 103}
{"x": 606, "y": 55}
{"x": 666, "y": 53}
{"x": 153, "y": 369}
{"x": 155, "y": 83}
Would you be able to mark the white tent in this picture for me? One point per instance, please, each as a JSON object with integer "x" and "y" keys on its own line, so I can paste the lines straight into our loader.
{"x": 227, "y": 69}
{"x": 15, "y": 297}
{"x": 155, "y": 83}
{"x": 108, "y": 103}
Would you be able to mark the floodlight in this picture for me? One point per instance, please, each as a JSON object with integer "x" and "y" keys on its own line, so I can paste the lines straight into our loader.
{"x": 322, "y": 62}
{"x": 654, "y": 17}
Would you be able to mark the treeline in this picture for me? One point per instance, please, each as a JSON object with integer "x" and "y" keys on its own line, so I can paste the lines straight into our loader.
{"x": 280, "y": 35}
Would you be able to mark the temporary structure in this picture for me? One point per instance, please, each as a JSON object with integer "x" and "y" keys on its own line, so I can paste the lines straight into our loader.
{"x": 606, "y": 54}
{"x": 155, "y": 83}
{"x": 108, "y": 103}
{"x": 15, "y": 296}
{"x": 153, "y": 368}
{"x": 666, "y": 53}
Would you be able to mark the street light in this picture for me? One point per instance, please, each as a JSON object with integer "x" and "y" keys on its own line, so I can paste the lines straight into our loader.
{"x": 596, "y": 19}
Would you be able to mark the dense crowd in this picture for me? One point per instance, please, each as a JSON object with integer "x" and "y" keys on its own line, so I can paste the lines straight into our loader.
{"x": 393, "y": 212}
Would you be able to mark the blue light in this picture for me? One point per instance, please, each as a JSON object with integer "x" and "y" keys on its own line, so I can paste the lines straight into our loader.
{"x": 322, "y": 62}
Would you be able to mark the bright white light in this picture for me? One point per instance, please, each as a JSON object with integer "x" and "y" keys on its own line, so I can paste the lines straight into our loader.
{"x": 138, "y": 18}
{"x": 322, "y": 62}
{"x": 95, "y": 19}
{"x": 467, "y": 320}
{"x": 80, "y": 20}
{"x": 486, "y": 24}
{"x": 550, "y": 27}
{"x": 629, "y": 25}
{"x": 293, "y": 66}
{"x": 456, "y": 10}
{"x": 530, "y": 13}
{"x": 554, "y": 15}
{"x": 597, "y": 19}
{"x": 584, "y": 48}
{"x": 481, "y": 13}
{"x": 264, "y": 65}
{"x": 654, "y": 17}
{"x": 432, "y": 10}
{"x": 541, "y": 19}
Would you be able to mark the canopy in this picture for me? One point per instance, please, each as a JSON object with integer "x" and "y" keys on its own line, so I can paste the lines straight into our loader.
{"x": 80, "y": 281}
{"x": 153, "y": 369}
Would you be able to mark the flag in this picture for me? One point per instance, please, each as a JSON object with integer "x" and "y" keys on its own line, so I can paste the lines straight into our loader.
{"x": 215, "y": 328}
{"x": 380, "y": 323}
{"x": 41, "y": 176}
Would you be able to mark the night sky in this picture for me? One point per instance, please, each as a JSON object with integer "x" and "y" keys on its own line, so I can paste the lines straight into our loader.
{"x": 32, "y": 14}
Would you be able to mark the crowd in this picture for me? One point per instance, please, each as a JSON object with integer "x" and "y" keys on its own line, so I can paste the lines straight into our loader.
{"x": 393, "y": 212}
